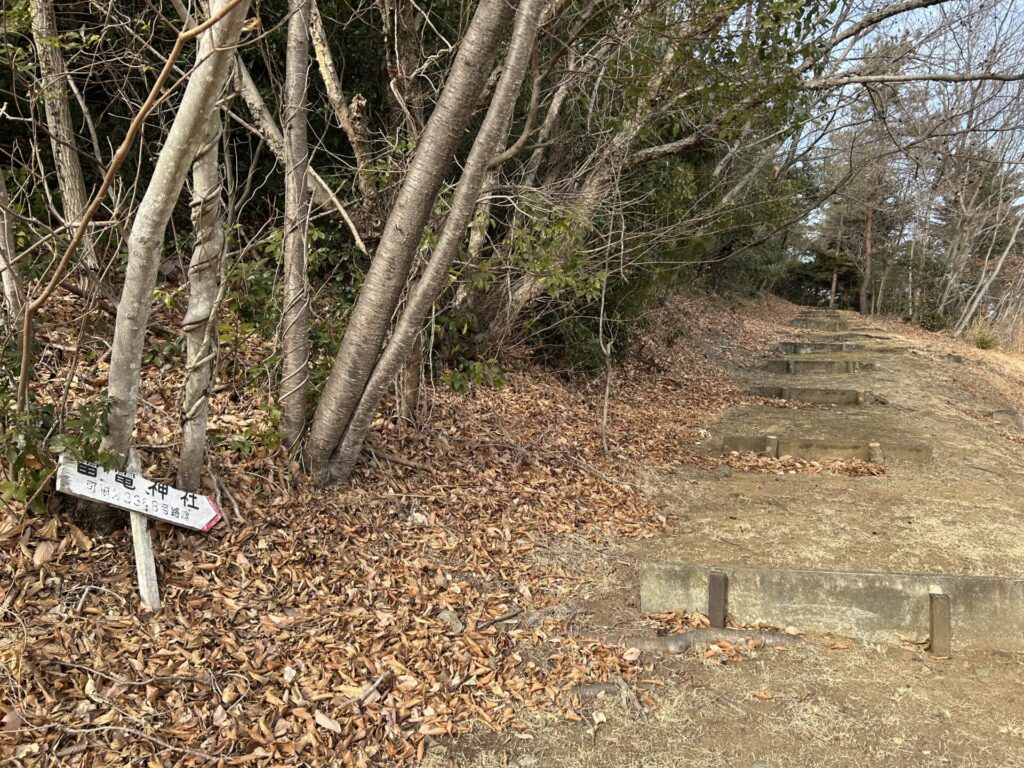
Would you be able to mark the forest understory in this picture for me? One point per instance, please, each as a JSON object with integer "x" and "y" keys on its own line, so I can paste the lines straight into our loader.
{"x": 279, "y": 623}
{"x": 367, "y": 624}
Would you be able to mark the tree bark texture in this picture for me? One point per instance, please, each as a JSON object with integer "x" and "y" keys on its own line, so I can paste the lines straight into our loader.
{"x": 865, "y": 281}
{"x": 432, "y": 281}
{"x": 351, "y": 118}
{"x": 13, "y": 296}
{"x": 200, "y": 324}
{"x": 145, "y": 242}
{"x": 54, "y": 94}
{"x": 371, "y": 316}
{"x": 267, "y": 129}
{"x": 295, "y": 316}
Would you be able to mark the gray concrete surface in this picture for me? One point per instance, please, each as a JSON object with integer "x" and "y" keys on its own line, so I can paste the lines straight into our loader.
{"x": 987, "y": 613}
{"x": 814, "y": 449}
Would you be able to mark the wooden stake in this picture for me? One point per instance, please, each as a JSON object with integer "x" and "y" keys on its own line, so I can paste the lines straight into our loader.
{"x": 718, "y": 585}
{"x": 940, "y": 630}
{"x": 145, "y": 564}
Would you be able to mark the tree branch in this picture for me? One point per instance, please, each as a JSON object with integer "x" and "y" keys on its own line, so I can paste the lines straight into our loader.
{"x": 935, "y": 77}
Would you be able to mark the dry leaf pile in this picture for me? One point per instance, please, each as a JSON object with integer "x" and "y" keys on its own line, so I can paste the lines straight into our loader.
{"x": 749, "y": 461}
{"x": 343, "y": 626}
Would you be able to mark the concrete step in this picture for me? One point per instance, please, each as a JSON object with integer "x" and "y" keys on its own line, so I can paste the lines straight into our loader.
{"x": 814, "y": 395}
{"x": 814, "y": 347}
{"x": 821, "y": 365}
{"x": 819, "y": 323}
{"x": 815, "y": 449}
{"x": 980, "y": 612}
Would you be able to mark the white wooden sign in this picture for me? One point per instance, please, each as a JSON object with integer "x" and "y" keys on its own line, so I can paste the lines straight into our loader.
{"x": 131, "y": 491}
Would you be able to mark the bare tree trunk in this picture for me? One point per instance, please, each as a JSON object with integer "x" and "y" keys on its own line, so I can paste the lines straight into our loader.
{"x": 832, "y": 293}
{"x": 13, "y": 296}
{"x": 865, "y": 281}
{"x": 878, "y": 300}
{"x": 410, "y": 381}
{"x": 349, "y": 116}
{"x": 386, "y": 278}
{"x": 145, "y": 243}
{"x": 295, "y": 317}
{"x": 401, "y": 51}
{"x": 200, "y": 326}
{"x": 986, "y": 283}
{"x": 267, "y": 129}
{"x": 54, "y": 93}
{"x": 917, "y": 297}
{"x": 593, "y": 191}
{"x": 434, "y": 277}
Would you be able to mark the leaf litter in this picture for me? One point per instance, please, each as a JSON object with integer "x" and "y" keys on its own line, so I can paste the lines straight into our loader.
{"x": 349, "y": 626}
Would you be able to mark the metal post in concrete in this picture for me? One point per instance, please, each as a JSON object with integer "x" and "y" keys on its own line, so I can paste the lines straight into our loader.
{"x": 718, "y": 586}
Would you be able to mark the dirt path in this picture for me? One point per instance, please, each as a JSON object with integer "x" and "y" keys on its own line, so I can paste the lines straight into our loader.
{"x": 834, "y": 702}
{"x": 958, "y": 513}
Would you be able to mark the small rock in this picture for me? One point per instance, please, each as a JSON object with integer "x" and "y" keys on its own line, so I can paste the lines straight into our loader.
{"x": 455, "y": 626}
{"x": 723, "y": 470}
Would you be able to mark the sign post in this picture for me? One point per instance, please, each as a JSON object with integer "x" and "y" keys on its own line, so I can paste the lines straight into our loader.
{"x": 143, "y": 499}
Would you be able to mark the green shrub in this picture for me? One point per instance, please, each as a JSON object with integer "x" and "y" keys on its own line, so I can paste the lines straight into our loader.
{"x": 984, "y": 336}
{"x": 30, "y": 443}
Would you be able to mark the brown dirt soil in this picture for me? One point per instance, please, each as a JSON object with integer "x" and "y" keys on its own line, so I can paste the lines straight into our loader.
{"x": 836, "y": 701}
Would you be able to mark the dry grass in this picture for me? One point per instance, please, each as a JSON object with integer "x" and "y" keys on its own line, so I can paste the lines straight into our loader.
{"x": 831, "y": 704}
{"x": 863, "y": 706}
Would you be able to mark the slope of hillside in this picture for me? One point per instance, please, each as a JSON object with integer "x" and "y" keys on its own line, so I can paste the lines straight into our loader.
{"x": 447, "y": 591}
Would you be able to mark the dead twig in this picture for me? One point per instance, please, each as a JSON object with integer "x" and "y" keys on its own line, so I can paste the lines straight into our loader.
{"x": 379, "y": 453}
{"x": 206, "y": 757}
{"x": 147, "y": 681}
{"x": 499, "y": 619}
{"x": 683, "y": 641}
{"x": 383, "y": 679}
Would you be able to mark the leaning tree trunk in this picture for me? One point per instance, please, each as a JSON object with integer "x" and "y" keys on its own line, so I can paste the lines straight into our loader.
{"x": 13, "y": 296}
{"x": 409, "y": 384}
{"x": 295, "y": 317}
{"x": 865, "y": 282}
{"x": 54, "y": 93}
{"x": 145, "y": 242}
{"x": 200, "y": 326}
{"x": 267, "y": 129}
{"x": 501, "y": 316}
{"x": 986, "y": 283}
{"x": 371, "y": 316}
{"x": 435, "y": 275}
